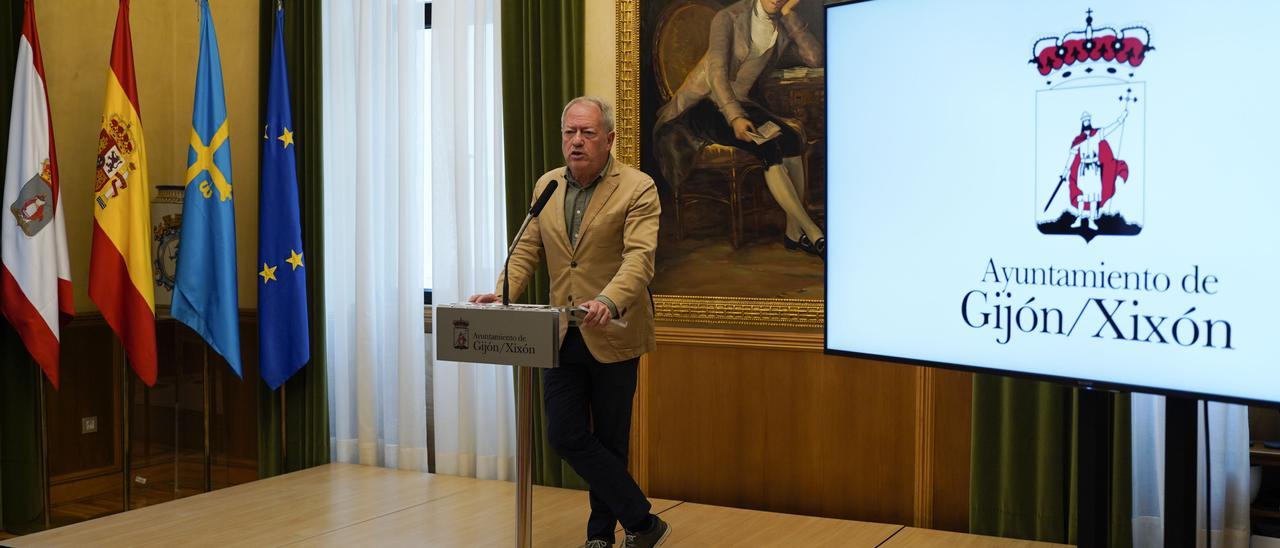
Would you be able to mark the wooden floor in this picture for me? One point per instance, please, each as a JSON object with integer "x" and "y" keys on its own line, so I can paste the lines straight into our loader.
{"x": 168, "y": 479}
{"x": 351, "y": 505}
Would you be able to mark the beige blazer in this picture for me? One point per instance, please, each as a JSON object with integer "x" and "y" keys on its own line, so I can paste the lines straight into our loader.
{"x": 614, "y": 257}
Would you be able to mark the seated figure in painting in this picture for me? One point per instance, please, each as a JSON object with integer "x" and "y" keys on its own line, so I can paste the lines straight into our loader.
{"x": 712, "y": 105}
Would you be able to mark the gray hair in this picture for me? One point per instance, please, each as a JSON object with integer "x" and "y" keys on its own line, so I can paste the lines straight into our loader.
{"x": 606, "y": 110}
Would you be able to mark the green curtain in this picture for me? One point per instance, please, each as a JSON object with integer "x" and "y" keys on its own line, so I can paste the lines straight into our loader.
{"x": 21, "y": 488}
{"x": 21, "y": 485}
{"x": 305, "y": 439}
{"x": 1024, "y": 461}
{"x": 542, "y": 69}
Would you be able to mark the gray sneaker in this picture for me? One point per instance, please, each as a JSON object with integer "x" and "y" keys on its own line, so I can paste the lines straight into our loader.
{"x": 598, "y": 543}
{"x": 655, "y": 536}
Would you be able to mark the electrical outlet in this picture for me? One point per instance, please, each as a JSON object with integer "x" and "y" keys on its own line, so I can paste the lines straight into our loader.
{"x": 88, "y": 425}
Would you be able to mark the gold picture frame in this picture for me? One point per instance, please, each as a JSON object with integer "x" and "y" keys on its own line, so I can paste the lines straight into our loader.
{"x": 690, "y": 309}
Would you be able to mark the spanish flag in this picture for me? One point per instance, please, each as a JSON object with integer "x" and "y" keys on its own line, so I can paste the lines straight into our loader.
{"x": 120, "y": 262}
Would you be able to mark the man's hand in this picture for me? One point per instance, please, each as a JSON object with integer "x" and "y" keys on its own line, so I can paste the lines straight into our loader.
{"x": 598, "y": 314}
{"x": 786, "y": 8}
{"x": 741, "y": 126}
{"x": 484, "y": 298}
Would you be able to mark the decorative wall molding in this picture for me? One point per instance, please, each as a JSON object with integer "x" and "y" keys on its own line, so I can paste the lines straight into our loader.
{"x": 924, "y": 453}
{"x": 738, "y": 338}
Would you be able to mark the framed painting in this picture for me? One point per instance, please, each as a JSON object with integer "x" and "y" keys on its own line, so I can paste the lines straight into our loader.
{"x": 723, "y": 103}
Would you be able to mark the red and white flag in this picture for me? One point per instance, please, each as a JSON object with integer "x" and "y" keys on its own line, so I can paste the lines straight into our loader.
{"x": 35, "y": 284}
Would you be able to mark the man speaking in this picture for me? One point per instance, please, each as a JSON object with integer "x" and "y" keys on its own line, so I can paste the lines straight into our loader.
{"x": 599, "y": 232}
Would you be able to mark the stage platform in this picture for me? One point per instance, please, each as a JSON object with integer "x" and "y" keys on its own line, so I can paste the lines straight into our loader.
{"x": 351, "y": 505}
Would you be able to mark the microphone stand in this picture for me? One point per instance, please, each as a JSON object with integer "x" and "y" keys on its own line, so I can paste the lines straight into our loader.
{"x": 524, "y": 394}
{"x": 506, "y": 272}
{"x": 533, "y": 212}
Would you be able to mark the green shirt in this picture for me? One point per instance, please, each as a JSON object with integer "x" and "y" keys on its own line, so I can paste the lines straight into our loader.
{"x": 576, "y": 199}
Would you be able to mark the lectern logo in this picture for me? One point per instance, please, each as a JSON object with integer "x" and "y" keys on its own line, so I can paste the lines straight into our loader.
{"x": 461, "y": 334}
{"x": 1091, "y": 131}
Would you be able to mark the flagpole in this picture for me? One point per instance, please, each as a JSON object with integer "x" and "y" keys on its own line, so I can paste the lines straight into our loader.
{"x": 177, "y": 424}
{"x": 208, "y": 422}
{"x": 284, "y": 436}
{"x": 283, "y": 401}
{"x": 124, "y": 448}
{"x": 44, "y": 449}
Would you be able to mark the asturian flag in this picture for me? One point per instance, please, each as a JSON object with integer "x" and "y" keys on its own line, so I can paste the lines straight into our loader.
{"x": 283, "y": 341}
{"x": 120, "y": 261}
{"x": 204, "y": 291}
{"x": 36, "y": 278}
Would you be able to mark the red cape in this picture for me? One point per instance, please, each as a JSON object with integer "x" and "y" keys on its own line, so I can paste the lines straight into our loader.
{"x": 1111, "y": 168}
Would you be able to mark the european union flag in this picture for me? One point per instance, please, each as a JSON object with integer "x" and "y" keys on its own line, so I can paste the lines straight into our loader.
{"x": 284, "y": 344}
{"x": 204, "y": 293}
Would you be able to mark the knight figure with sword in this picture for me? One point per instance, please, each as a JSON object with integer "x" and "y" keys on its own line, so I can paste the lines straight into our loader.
{"x": 1092, "y": 169}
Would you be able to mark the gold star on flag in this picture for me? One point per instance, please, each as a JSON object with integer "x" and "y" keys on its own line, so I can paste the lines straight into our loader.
{"x": 294, "y": 259}
{"x": 268, "y": 273}
{"x": 286, "y": 137}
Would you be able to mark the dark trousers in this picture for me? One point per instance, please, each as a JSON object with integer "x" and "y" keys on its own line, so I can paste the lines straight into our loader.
{"x": 705, "y": 121}
{"x": 588, "y": 406}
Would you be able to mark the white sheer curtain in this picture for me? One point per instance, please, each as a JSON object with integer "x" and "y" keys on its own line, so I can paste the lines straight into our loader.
{"x": 374, "y": 172}
{"x": 1229, "y": 463}
{"x": 474, "y": 404}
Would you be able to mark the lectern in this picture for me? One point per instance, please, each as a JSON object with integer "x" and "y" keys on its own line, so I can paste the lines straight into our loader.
{"x": 523, "y": 336}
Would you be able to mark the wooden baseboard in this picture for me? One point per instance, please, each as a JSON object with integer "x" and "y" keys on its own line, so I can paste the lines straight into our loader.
{"x": 85, "y": 487}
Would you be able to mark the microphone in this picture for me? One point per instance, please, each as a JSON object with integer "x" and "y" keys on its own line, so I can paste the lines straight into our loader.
{"x": 533, "y": 212}
{"x": 544, "y": 198}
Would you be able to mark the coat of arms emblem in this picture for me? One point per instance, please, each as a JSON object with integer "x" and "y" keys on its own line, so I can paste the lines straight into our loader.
{"x": 115, "y": 161}
{"x": 461, "y": 334}
{"x": 1091, "y": 131}
{"x": 33, "y": 209}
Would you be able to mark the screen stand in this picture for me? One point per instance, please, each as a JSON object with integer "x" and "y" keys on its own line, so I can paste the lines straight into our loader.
{"x": 524, "y": 458}
{"x": 1180, "y": 449}
{"x": 1095, "y": 432}
{"x": 1093, "y": 483}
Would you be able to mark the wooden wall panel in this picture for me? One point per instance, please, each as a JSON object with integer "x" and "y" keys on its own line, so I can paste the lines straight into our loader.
{"x": 234, "y": 432}
{"x": 167, "y": 420}
{"x": 766, "y": 421}
{"x": 88, "y": 377}
{"x": 953, "y": 412}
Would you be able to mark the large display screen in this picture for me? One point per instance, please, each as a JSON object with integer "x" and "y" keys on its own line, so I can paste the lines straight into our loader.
{"x": 1071, "y": 189}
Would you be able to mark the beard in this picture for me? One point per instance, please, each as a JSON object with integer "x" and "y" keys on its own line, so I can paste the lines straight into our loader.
{"x": 1086, "y": 127}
